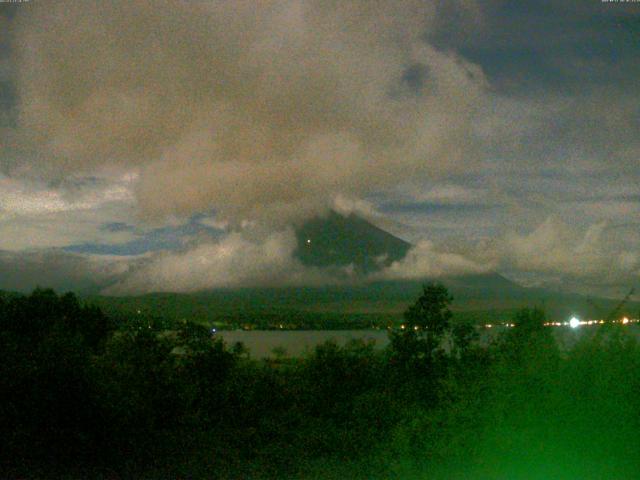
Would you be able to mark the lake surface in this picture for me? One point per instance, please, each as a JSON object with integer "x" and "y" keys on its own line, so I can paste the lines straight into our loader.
{"x": 261, "y": 343}
{"x": 297, "y": 342}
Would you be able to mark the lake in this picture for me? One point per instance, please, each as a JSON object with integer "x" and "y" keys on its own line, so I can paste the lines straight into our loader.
{"x": 298, "y": 342}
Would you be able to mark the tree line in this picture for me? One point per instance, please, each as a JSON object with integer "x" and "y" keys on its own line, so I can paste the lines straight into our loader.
{"x": 85, "y": 395}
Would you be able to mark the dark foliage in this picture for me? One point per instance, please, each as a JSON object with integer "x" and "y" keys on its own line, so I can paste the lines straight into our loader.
{"x": 88, "y": 397}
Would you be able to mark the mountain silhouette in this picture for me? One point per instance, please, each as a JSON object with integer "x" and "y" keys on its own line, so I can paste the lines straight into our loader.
{"x": 339, "y": 240}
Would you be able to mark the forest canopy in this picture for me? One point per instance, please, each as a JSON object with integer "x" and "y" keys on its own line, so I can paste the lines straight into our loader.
{"x": 86, "y": 395}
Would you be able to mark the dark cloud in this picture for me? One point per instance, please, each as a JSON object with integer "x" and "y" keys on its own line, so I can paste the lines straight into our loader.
{"x": 165, "y": 238}
{"x": 257, "y": 110}
{"x": 415, "y": 77}
{"x": 507, "y": 132}
{"x": 117, "y": 227}
{"x": 8, "y": 10}
{"x": 530, "y": 47}
{"x": 54, "y": 268}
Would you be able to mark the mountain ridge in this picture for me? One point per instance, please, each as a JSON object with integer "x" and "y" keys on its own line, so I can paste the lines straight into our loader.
{"x": 343, "y": 240}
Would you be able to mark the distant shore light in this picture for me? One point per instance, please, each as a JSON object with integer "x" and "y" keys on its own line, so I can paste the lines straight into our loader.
{"x": 574, "y": 322}
{"x": 308, "y": 240}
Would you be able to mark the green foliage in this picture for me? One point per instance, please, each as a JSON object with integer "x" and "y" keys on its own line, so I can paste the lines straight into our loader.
{"x": 416, "y": 345}
{"x": 46, "y": 348}
{"x": 169, "y": 400}
{"x": 430, "y": 313}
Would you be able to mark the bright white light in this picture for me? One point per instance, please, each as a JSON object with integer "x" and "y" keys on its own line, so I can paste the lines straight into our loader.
{"x": 308, "y": 241}
{"x": 574, "y": 322}
{"x": 625, "y": 320}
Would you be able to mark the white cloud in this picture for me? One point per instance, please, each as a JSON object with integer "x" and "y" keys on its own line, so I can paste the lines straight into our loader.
{"x": 558, "y": 248}
{"x": 33, "y": 215}
{"x": 16, "y": 199}
{"x": 23, "y": 197}
{"x": 347, "y": 205}
{"x": 275, "y": 110}
{"x": 442, "y": 193}
{"x": 60, "y": 229}
{"x": 233, "y": 261}
{"x": 424, "y": 260}
{"x": 214, "y": 222}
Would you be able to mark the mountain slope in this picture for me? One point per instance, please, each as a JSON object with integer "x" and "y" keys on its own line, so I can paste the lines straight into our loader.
{"x": 337, "y": 240}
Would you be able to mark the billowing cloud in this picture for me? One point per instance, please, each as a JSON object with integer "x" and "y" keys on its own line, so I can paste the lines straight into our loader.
{"x": 559, "y": 248}
{"x": 425, "y": 260}
{"x": 553, "y": 253}
{"x": 233, "y": 261}
{"x": 34, "y": 215}
{"x": 600, "y": 257}
{"x": 18, "y": 198}
{"x": 261, "y": 114}
{"x": 254, "y": 109}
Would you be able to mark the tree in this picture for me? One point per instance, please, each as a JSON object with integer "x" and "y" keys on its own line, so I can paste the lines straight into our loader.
{"x": 528, "y": 320}
{"x": 425, "y": 323}
{"x": 48, "y": 406}
{"x": 530, "y": 339}
{"x": 463, "y": 336}
{"x": 430, "y": 313}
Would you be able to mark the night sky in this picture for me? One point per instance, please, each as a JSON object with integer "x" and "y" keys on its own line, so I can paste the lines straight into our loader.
{"x": 150, "y": 146}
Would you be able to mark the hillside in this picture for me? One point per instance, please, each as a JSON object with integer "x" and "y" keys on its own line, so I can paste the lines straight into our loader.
{"x": 481, "y": 299}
